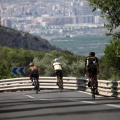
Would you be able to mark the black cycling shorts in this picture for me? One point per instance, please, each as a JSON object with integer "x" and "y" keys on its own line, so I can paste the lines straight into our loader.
{"x": 92, "y": 71}
{"x": 34, "y": 75}
{"x": 59, "y": 73}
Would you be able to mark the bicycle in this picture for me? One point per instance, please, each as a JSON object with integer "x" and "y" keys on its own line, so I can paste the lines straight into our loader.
{"x": 92, "y": 86}
{"x": 36, "y": 84}
{"x": 60, "y": 83}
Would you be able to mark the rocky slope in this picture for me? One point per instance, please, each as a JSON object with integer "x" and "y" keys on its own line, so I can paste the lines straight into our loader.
{"x": 18, "y": 39}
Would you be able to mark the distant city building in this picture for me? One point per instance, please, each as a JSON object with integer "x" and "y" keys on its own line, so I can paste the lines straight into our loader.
{"x": 0, "y": 21}
{"x": 88, "y": 19}
{"x": 85, "y": 19}
{"x": 6, "y": 23}
{"x": 38, "y": 15}
{"x": 97, "y": 19}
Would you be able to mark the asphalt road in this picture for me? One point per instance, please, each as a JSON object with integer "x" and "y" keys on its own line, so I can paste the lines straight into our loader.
{"x": 54, "y": 105}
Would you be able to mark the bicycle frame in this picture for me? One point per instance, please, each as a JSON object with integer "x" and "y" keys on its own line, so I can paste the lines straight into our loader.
{"x": 60, "y": 84}
{"x": 93, "y": 88}
{"x": 36, "y": 86}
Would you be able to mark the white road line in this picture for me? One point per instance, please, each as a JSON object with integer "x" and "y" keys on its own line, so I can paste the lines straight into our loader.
{"x": 112, "y": 105}
{"x": 88, "y": 102}
{"x": 84, "y": 92}
{"x": 89, "y": 93}
{"x": 29, "y": 96}
{"x": 34, "y": 97}
{"x": 46, "y": 99}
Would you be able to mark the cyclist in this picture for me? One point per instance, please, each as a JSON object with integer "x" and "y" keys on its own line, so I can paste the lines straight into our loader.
{"x": 92, "y": 68}
{"x": 57, "y": 66}
{"x": 33, "y": 72}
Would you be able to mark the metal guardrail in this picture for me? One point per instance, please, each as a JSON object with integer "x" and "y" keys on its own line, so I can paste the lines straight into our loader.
{"x": 106, "y": 88}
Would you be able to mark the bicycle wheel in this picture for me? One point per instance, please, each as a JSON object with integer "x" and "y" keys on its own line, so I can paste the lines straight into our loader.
{"x": 36, "y": 86}
{"x": 60, "y": 85}
{"x": 93, "y": 89}
{"x": 93, "y": 93}
{"x": 36, "y": 90}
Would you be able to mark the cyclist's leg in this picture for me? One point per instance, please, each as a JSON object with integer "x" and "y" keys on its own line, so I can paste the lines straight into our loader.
{"x": 37, "y": 78}
{"x": 91, "y": 73}
{"x": 31, "y": 78}
{"x": 92, "y": 82}
{"x": 89, "y": 77}
{"x": 56, "y": 72}
{"x": 61, "y": 77}
{"x": 96, "y": 86}
{"x": 96, "y": 81}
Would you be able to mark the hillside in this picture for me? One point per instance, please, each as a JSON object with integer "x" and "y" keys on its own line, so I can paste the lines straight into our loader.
{"x": 18, "y": 39}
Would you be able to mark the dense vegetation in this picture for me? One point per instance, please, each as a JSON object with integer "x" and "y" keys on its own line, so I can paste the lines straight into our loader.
{"x": 73, "y": 65}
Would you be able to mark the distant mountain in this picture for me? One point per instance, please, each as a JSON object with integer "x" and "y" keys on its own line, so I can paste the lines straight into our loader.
{"x": 18, "y": 39}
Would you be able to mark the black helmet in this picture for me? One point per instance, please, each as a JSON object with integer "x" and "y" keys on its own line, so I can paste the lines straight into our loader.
{"x": 92, "y": 53}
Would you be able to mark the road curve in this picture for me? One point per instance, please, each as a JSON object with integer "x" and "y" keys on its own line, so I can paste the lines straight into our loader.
{"x": 55, "y": 105}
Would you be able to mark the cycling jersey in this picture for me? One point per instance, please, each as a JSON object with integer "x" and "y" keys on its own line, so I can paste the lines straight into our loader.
{"x": 57, "y": 66}
{"x": 91, "y": 62}
{"x": 33, "y": 70}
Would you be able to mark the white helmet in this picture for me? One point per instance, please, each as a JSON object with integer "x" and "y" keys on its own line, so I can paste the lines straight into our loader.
{"x": 31, "y": 64}
{"x": 56, "y": 60}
